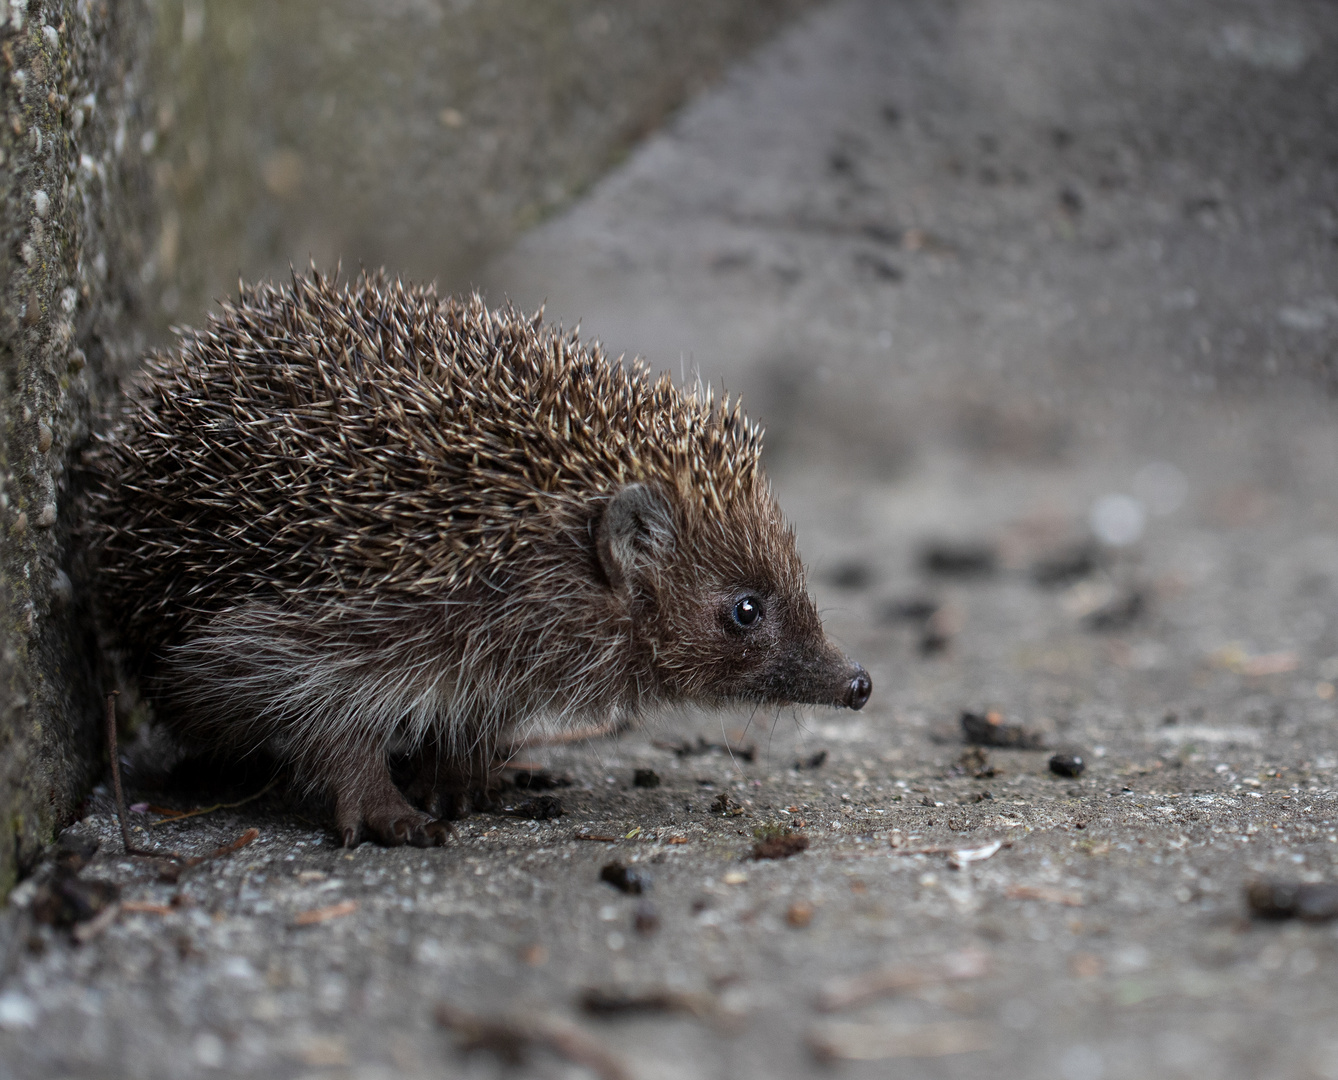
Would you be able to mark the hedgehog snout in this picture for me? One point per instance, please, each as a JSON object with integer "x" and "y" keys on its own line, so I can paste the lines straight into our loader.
{"x": 857, "y": 693}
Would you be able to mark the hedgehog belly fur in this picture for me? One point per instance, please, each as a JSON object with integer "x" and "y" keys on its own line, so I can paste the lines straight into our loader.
{"x": 314, "y": 687}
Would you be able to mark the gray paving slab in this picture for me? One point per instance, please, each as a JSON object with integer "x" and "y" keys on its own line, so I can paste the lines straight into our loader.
{"x": 1013, "y": 275}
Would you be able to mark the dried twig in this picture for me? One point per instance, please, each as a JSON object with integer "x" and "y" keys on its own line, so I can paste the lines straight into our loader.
{"x": 703, "y": 1006}
{"x": 1044, "y": 892}
{"x": 182, "y": 815}
{"x": 114, "y": 750}
{"x": 600, "y": 1002}
{"x": 247, "y": 838}
{"x": 325, "y": 914}
{"x": 511, "y": 1037}
{"x": 145, "y": 907}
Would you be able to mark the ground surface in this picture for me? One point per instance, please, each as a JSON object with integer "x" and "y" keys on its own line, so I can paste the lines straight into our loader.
{"x": 980, "y": 267}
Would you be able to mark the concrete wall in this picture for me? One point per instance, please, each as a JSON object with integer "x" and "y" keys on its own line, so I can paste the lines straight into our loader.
{"x": 151, "y": 151}
{"x": 73, "y": 217}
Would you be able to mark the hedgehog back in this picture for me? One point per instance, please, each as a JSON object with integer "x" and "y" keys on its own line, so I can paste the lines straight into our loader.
{"x": 316, "y": 442}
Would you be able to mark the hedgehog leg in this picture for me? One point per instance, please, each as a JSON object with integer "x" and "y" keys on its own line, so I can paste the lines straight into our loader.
{"x": 365, "y": 795}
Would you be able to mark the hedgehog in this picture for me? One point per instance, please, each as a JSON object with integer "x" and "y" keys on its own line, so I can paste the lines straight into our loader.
{"x": 350, "y": 524}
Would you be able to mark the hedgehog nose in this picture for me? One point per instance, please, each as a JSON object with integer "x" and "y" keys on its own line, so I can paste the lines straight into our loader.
{"x": 861, "y": 686}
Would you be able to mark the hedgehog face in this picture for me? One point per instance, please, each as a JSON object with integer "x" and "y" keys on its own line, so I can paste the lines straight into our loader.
{"x": 722, "y": 612}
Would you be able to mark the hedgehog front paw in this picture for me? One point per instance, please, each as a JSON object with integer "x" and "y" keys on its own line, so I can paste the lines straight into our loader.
{"x": 376, "y": 806}
{"x": 393, "y": 826}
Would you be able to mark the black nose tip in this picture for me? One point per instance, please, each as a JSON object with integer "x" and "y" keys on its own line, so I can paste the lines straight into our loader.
{"x": 861, "y": 686}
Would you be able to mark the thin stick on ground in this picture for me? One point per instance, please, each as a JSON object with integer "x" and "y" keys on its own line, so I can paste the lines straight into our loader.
{"x": 510, "y": 1037}
{"x": 179, "y": 862}
{"x": 200, "y": 811}
{"x": 114, "y": 751}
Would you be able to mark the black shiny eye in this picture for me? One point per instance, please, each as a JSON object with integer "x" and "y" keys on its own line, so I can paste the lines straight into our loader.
{"x": 747, "y": 611}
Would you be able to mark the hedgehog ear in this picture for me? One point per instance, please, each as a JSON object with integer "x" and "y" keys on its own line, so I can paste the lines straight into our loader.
{"x": 635, "y": 531}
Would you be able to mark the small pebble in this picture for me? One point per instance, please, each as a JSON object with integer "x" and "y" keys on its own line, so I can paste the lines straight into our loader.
{"x": 1067, "y": 765}
{"x": 645, "y": 778}
{"x": 948, "y": 559}
{"x": 1314, "y": 902}
{"x": 851, "y": 575}
{"x": 624, "y": 879}
{"x": 915, "y": 609}
{"x": 781, "y": 846}
{"x": 540, "y": 808}
{"x": 1117, "y": 614}
{"x": 799, "y": 914}
{"x": 1063, "y": 568}
{"x": 933, "y": 643}
{"x": 991, "y": 730}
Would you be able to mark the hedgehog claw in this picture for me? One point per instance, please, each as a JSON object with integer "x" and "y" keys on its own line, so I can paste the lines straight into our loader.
{"x": 394, "y": 827}
{"x": 431, "y": 834}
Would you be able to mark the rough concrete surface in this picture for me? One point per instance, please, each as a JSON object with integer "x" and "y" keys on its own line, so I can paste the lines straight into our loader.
{"x": 1005, "y": 275}
{"x": 74, "y": 220}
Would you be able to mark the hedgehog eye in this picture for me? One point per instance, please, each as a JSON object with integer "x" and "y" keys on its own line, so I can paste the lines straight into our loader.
{"x": 747, "y": 611}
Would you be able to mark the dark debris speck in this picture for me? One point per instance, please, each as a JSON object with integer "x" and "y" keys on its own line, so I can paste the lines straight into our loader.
{"x": 66, "y": 899}
{"x": 959, "y": 559}
{"x": 1063, "y": 568}
{"x": 990, "y": 729}
{"x": 1071, "y": 765}
{"x": 851, "y": 575}
{"x": 1312, "y": 901}
{"x": 780, "y": 846}
{"x": 539, "y": 780}
{"x": 539, "y": 808}
{"x": 913, "y": 609}
{"x": 880, "y": 266}
{"x": 624, "y": 879}
{"x": 1119, "y": 613}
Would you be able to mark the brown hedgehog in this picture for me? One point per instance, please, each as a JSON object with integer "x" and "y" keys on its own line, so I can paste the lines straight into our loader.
{"x": 345, "y": 522}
